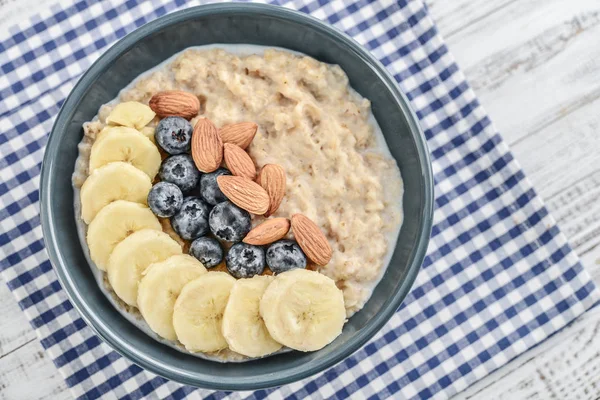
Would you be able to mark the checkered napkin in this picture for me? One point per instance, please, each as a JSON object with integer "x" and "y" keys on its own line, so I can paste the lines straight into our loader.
{"x": 498, "y": 279}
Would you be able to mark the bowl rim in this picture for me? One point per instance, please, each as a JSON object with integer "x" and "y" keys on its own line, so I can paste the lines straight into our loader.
{"x": 102, "y": 329}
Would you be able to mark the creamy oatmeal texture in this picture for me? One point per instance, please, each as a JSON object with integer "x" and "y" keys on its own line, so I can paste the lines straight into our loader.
{"x": 339, "y": 171}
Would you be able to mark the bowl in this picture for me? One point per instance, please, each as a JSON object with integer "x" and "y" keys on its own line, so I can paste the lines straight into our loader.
{"x": 250, "y": 24}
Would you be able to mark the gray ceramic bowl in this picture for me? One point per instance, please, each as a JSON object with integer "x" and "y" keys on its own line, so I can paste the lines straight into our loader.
{"x": 233, "y": 23}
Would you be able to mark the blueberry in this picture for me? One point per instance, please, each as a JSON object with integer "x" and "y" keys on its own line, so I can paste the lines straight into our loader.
{"x": 229, "y": 222}
{"x": 284, "y": 255}
{"x": 245, "y": 260}
{"x": 173, "y": 135}
{"x": 207, "y": 250}
{"x": 209, "y": 190}
{"x": 165, "y": 199}
{"x": 181, "y": 171}
{"x": 192, "y": 220}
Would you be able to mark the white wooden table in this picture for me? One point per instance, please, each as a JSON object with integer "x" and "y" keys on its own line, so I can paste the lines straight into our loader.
{"x": 535, "y": 65}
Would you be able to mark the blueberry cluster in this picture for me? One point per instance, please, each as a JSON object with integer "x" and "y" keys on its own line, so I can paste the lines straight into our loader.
{"x": 197, "y": 208}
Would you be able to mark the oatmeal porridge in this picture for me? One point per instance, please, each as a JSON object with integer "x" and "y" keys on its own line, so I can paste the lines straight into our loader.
{"x": 340, "y": 182}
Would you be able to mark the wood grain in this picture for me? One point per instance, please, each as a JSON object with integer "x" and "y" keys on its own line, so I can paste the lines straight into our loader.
{"x": 539, "y": 78}
{"x": 29, "y": 374}
{"x": 535, "y": 67}
{"x": 453, "y": 16}
{"x": 17, "y": 10}
{"x": 15, "y": 331}
{"x": 26, "y": 372}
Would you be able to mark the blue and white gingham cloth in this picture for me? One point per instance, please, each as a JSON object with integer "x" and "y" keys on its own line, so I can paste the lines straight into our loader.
{"x": 498, "y": 279}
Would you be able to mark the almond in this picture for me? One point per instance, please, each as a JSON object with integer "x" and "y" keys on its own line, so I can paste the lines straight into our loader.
{"x": 312, "y": 241}
{"x": 268, "y": 232}
{"x": 240, "y": 134}
{"x": 238, "y": 161}
{"x": 175, "y": 103}
{"x": 207, "y": 147}
{"x": 272, "y": 179}
{"x": 244, "y": 193}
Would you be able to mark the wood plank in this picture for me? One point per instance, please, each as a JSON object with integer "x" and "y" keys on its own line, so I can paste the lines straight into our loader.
{"x": 22, "y": 357}
{"x": 577, "y": 211}
{"x": 15, "y": 330}
{"x": 513, "y": 26}
{"x": 28, "y": 373}
{"x": 454, "y": 16}
{"x": 560, "y": 153}
{"x": 563, "y": 162}
{"x": 591, "y": 261}
{"x": 534, "y": 66}
{"x": 535, "y": 69}
{"x": 564, "y": 156}
{"x": 14, "y": 11}
{"x": 539, "y": 78}
{"x": 539, "y": 66}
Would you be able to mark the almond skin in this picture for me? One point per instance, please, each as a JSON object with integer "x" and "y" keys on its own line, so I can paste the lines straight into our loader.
{"x": 240, "y": 134}
{"x": 272, "y": 179}
{"x": 207, "y": 147}
{"x": 311, "y": 240}
{"x": 238, "y": 161}
{"x": 268, "y": 232}
{"x": 175, "y": 103}
{"x": 244, "y": 193}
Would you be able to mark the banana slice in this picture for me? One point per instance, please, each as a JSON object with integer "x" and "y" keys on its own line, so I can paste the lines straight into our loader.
{"x": 161, "y": 284}
{"x": 198, "y": 313}
{"x": 243, "y": 328}
{"x": 125, "y": 144}
{"x": 107, "y": 128}
{"x": 132, "y": 114}
{"x": 115, "y": 222}
{"x": 303, "y": 310}
{"x": 132, "y": 256}
{"x": 114, "y": 181}
{"x": 148, "y": 131}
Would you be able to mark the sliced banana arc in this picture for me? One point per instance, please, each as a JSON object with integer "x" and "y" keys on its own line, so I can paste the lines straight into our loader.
{"x": 132, "y": 114}
{"x": 160, "y": 286}
{"x": 132, "y": 256}
{"x": 243, "y": 327}
{"x": 115, "y": 222}
{"x": 128, "y": 145}
{"x": 198, "y": 313}
{"x": 178, "y": 298}
{"x": 303, "y": 310}
{"x": 114, "y": 181}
